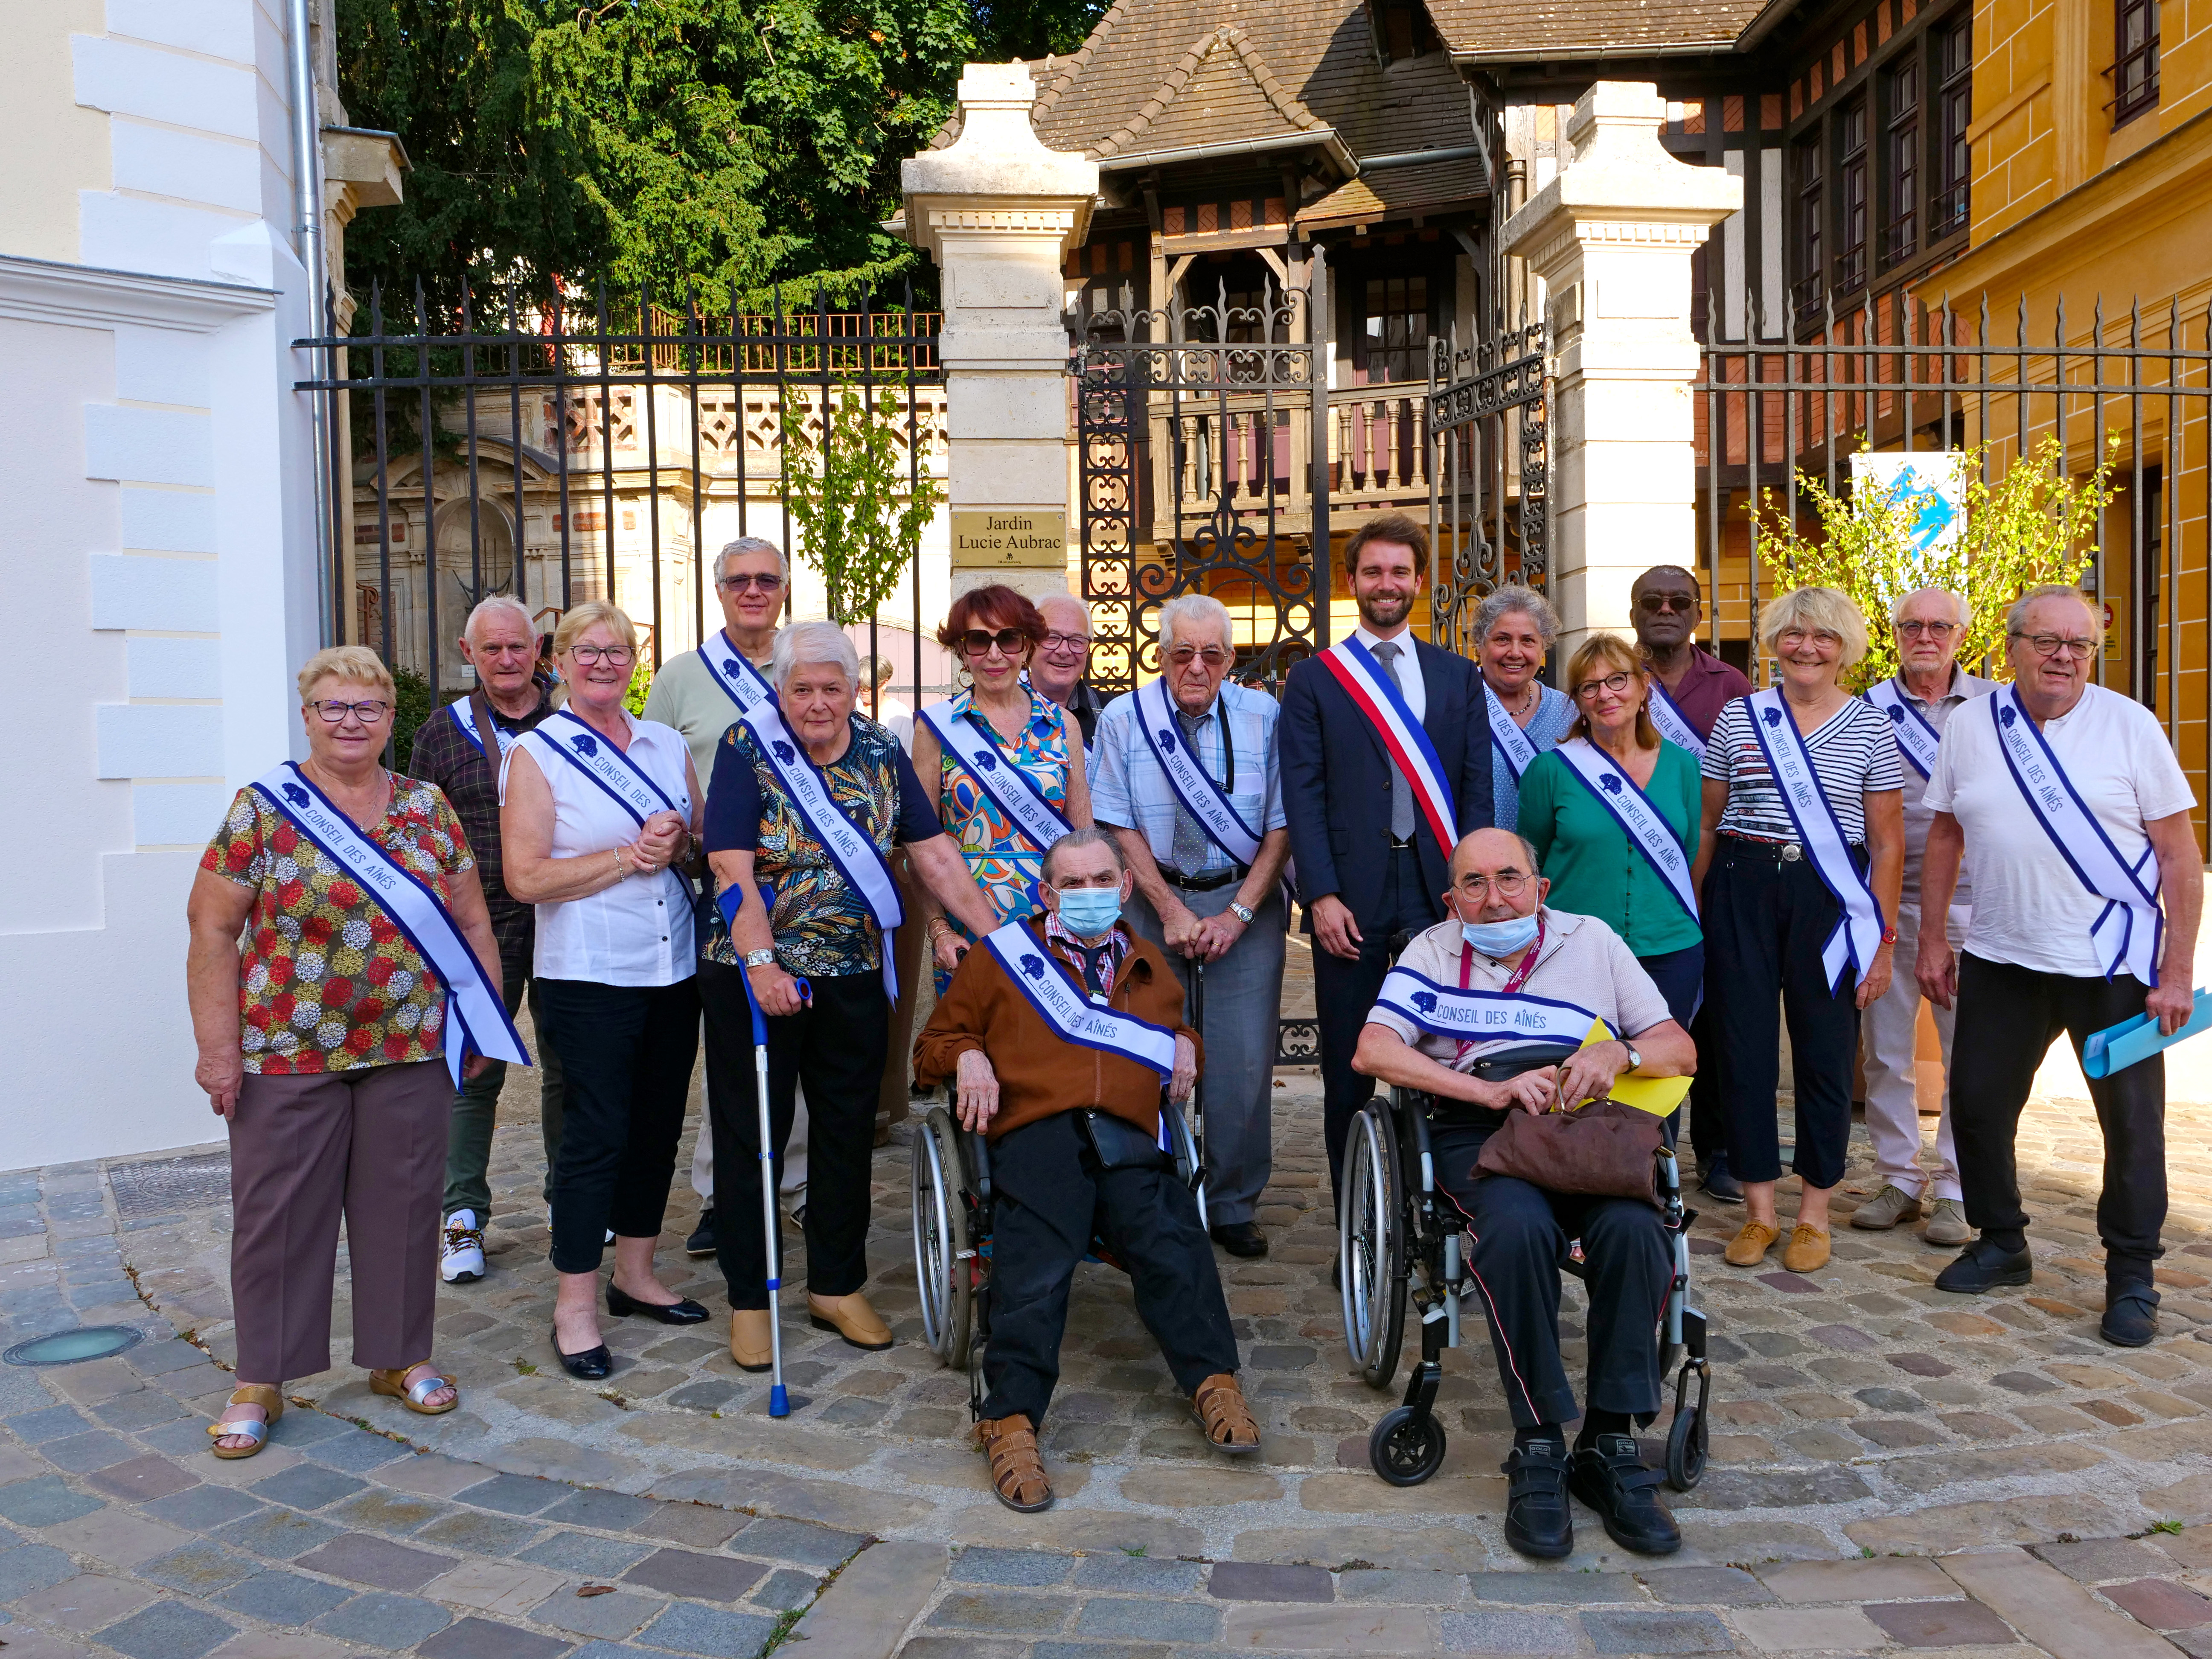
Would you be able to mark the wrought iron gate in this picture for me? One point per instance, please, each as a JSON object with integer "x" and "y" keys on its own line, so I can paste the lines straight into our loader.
{"x": 1489, "y": 458}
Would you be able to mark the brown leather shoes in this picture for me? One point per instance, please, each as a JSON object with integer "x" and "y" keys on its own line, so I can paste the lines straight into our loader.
{"x": 1750, "y": 1245}
{"x": 750, "y": 1340}
{"x": 1017, "y": 1471}
{"x": 852, "y": 1318}
{"x": 1222, "y": 1416}
{"x": 1806, "y": 1250}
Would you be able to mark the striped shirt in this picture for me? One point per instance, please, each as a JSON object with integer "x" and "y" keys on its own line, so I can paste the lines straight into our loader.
{"x": 1853, "y": 756}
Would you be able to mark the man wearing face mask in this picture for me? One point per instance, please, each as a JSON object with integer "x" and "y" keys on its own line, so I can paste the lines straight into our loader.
{"x": 1561, "y": 972}
{"x": 1059, "y": 1035}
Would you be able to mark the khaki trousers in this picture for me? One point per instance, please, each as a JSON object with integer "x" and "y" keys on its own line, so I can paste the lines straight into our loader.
{"x": 369, "y": 1145}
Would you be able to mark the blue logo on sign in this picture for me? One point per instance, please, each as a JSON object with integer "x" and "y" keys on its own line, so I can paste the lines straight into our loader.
{"x": 1033, "y": 966}
{"x": 1425, "y": 1001}
{"x": 1610, "y": 783}
{"x": 586, "y": 744}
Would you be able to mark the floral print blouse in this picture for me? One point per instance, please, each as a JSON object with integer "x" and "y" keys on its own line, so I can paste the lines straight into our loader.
{"x": 1006, "y": 863}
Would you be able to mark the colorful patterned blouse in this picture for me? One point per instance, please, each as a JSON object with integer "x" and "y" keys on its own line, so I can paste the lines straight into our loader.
{"x": 822, "y": 926}
{"x": 329, "y": 984}
{"x": 1006, "y": 863}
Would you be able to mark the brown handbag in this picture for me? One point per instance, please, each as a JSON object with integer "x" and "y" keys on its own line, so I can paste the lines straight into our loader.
{"x": 1602, "y": 1149}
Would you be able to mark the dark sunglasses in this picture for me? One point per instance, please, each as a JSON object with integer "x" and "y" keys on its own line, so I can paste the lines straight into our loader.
{"x": 978, "y": 641}
{"x": 1656, "y": 602}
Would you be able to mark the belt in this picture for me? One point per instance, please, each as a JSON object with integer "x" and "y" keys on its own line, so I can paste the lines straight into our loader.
{"x": 1781, "y": 851}
{"x": 1207, "y": 883}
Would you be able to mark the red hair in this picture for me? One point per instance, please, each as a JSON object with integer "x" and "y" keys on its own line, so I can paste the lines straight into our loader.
{"x": 991, "y": 607}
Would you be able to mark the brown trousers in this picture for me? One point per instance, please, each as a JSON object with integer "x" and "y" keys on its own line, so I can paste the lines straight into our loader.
{"x": 368, "y": 1144}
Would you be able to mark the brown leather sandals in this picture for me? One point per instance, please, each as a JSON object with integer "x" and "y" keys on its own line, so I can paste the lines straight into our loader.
{"x": 1222, "y": 1416}
{"x": 1017, "y": 1471}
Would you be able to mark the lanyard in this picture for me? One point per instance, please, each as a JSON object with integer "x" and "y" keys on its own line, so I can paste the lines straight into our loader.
{"x": 1520, "y": 976}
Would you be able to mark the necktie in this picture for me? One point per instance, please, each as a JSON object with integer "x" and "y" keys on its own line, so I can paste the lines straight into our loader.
{"x": 1097, "y": 969}
{"x": 1188, "y": 852}
{"x": 1401, "y": 788}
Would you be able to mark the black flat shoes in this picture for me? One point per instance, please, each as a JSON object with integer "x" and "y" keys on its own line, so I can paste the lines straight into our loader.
{"x": 675, "y": 1313}
{"x": 592, "y": 1365}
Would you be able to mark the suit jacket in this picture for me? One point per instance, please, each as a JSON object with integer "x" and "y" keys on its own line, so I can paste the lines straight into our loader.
{"x": 1337, "y": 778}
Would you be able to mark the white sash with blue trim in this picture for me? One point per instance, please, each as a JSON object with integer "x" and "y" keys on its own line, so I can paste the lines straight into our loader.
{"x": 1647, "y": 829}
{"x": 1377, "y": 696}
{"x": 1445, "y": 1010}
{"x": 590, "y": 753}
{"x": 474, "y": 1015}
{"x": 1013, "y": 790}
{"x": 1062, "y": 1003}
{"x": 1673, "y": 725}
{"x": 1916, "y": 740}
{"x": 855, "y": 853}
{"x": 464, "y": 711}
{"x": 2131, "y": 929}
{"x": 1857, "y": 934}
{"x": 1194, "y": 786}
{"x": 1508, "y": 738}
{"x": 743, "y": 685}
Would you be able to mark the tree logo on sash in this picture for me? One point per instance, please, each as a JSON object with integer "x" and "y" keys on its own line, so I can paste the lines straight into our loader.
{"x": 1897, "y": 713}
{"x": 1425, "y": 1001}
{"x": 1034, "y": 967}
{"x": 1772, "y": 716}
{"x": 1610, "y": 782}
{"x": 2005, "y": 714}
{"x": 1167, "y": 738}
{"x": 784, "y": 751}
{"x": 296, "y": 795}
{"x": 986, "y": 760}
{"x": 586, "y": 744}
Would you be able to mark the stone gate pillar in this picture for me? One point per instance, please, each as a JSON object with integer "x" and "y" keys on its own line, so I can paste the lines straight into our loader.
{"x": 997, "y": 212}
{"x": 1612, "y": 236}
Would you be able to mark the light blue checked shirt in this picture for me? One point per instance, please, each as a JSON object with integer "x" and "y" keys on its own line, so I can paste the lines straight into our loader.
{"x": 1129, "y": 791}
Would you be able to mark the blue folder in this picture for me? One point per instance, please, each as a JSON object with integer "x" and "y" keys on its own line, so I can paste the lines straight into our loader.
{"x": 2118, "y": 1047}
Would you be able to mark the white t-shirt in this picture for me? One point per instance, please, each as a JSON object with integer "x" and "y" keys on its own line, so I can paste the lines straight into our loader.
{"x": 2030, "y": 908}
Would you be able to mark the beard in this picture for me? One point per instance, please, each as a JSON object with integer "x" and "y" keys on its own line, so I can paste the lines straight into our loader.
{"x": 1385, "y": 609}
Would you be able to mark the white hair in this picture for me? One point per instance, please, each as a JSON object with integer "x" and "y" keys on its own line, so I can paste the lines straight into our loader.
{"x": 752, "y": 544}
{"x": 1960, "y": 613}
{"x": 491, "y": 607}
{"x": 1066, "y": 599}
{"x": 1195, "y": 608}
{"x": 812, "y": 642}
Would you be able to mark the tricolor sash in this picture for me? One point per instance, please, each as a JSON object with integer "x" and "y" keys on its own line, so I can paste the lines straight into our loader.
{"x": 1508, "y": 738}
{"x": 1916, "y": 740}
{"x": 865, "y": 869}
{"x": 1639, "y": 817}
{"x": 1013, "y": 790}
{"x": 616, "y": 773}
{"x": 474, "y": 1015}
{"x": 743, "y": 685}
{"x": 1445, "y": 1010}
{"x": 1857, "y": 933}
{"x": 1194, "y": 786}
{"x": 2131, "y": 928}
{"x": 1062, "y": 1003}
{"x": 1378, "y": 698}
{"x": 1673, "y": 725}
{"x": 464, "y": 711}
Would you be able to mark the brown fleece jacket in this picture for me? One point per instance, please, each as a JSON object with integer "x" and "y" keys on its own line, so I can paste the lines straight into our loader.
{"x": 1040, "y": 1071}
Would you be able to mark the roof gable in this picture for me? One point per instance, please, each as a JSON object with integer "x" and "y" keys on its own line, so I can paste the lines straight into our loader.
{"x": 1221, "y": 86}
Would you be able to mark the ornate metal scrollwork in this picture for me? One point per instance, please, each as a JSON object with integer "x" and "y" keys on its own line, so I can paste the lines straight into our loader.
{"x": 1490, "y": 445}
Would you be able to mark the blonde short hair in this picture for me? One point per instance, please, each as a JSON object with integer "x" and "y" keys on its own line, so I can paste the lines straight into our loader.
{"x": 591, "y": 614}
{"x": 355, "y": 665}
{"x": 1813, "y": 608}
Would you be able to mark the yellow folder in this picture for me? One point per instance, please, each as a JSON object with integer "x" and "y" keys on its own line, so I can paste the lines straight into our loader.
{"x": 1655, "y": 1095}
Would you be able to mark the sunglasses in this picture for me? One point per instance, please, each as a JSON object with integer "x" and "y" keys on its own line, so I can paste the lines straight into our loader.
{"x": 740, "y": 583}
{"x": 1656, "y": 602}
{"x": 978, "y": 641}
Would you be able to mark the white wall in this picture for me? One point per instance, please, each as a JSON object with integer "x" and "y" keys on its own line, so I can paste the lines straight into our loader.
{"x": 159, "y": 551}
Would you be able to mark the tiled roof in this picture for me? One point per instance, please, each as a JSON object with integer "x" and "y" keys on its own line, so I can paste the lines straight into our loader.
{"x": 1395, "y": 192}
{"x": 1504, "y": 31}
{"x": 1221, "y": 87}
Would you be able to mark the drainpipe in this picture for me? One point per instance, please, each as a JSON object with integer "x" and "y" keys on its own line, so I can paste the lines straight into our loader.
{"x": 308, "y": 196}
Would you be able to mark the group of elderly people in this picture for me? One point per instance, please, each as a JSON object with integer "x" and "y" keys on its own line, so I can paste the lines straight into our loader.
{"x": 1691, "y": 862}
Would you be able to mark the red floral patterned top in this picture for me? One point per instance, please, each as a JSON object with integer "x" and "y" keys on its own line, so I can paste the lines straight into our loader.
{"x": 328, "y": 983}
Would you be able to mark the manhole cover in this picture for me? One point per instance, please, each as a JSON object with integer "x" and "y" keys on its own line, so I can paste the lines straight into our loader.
{"x": 68, "y": 1347}
{"x": 165, "y": 1186}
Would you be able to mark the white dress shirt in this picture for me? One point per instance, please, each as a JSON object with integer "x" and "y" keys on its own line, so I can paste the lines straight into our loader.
{"x": 1408, "y": 665}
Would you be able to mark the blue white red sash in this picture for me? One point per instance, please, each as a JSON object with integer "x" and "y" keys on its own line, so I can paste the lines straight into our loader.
{"x": 1445, "y": 1010}
{"x": 473, "y": 1016}
{"x": 2131, "y": 929}
{"x": 464, "y": 711}
{"x": 1673, "y": 725}
{"x": 1194, "y": 786}
{"x": 1508, "y": 738}
{"x": 1378, "y": 698}
{"x": 1013, "y": 790}
{"x": 614, "y": 772}
{"x": 1639, "y": 817}
{"x": 1062, "y": 1003}
{"x": 1916, "y": 740}
{"x": 1857, "y": 933}
{"x": 743, "y": 685}
{"x": 854, "y": 851}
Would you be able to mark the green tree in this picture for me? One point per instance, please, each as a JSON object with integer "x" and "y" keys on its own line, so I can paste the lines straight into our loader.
{"x": 848, "y": 497}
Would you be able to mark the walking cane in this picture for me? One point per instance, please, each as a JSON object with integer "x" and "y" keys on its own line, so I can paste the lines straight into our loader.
{"x": 1198, "y": 1085}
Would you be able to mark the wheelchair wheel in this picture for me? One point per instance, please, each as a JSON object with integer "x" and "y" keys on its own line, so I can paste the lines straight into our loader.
{"x": 1685, "y": 1449}
{"x": 1189, "y": 1168}
{"x": 944, "y": 1262}
{"x": 1371, "y": 1247}
{"x": 1406, "y": 1448}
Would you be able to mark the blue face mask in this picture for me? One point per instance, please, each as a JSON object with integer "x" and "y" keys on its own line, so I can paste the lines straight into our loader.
{"x": 1500, "y": 938}
{"x": 1090, "y": 911}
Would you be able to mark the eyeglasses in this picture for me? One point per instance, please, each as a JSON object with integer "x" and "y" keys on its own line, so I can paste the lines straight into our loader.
{"x": 1067, "y": 641}
{"x": 1506, "y": 883}
{"x": 2050, "y": 645}
{"x": 591, "y": 655}
{"x": 1794, "y": 637}
{"x": 1933, "y": 630}
{"x": 740, "y": 583}
{"x": 1212, "y": 656}
{"x": 1656, "y": 602}
{"x": 504, "y": 650}
{"x": 368, "y": 711}
{"x": 1589, "y": 689}
{"x": 978, "y": 641}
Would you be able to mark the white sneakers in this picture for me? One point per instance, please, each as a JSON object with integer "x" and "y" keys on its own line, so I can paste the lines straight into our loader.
{"x": 461, "y": 1261}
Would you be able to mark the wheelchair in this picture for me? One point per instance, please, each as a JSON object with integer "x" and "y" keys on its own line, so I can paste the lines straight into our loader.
{"x": 1400, "y": 1243}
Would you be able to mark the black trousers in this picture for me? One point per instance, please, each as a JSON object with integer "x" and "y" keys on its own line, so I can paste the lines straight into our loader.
{"x": 2008, "y": 1020}
{"x": 1520, "y": 1234}
{"x": 1345, "y": 990}
{"x": 1766, "y": 923}
{"x": 834, "y": 1046}
{"x": 1050, "y": 1200}
{"x": 626, "y": 1054}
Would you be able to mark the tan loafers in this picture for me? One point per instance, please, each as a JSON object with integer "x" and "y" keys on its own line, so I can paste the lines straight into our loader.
{"x": 751, "y": 1342}
{"x": 1806, "y": 1250}
{"x": 851, "y": 1318}
{"x": 1749, "y": 1246}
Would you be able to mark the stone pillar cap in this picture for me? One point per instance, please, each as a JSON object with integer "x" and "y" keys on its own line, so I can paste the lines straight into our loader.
{"x": 997, "y": 161}
{"x": 1621, "y": 172}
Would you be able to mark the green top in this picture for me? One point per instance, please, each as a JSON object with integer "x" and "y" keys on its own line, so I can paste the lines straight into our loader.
{"x": 1593, "y": 869}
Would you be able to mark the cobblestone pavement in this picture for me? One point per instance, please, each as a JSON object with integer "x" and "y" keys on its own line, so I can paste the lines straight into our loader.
{"x": 1863, "y": 1422}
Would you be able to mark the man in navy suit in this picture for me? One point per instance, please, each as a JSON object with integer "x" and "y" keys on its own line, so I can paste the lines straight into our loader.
{"x": 1368, "y": 861}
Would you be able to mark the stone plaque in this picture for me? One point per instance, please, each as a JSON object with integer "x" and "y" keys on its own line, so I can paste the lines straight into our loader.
{"x": 1010, "y": 536}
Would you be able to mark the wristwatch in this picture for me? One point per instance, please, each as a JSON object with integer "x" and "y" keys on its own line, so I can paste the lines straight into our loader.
{"x": 1635, "y": 1059}
{"x": 1241, "y": 912}
{"x": 759, "y": 959}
